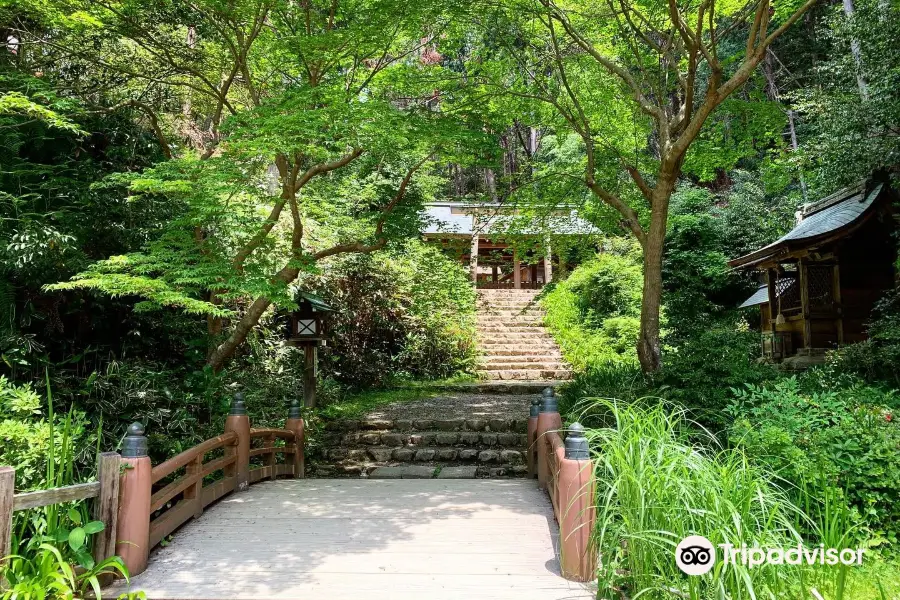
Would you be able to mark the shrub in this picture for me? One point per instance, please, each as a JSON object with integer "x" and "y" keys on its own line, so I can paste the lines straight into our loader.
{"x": 875, "y": 359}
{"x": 710, "y": 360}
{"x": 594, "y": 313}
{"x": 844, "y": 439}
{"x": 27, "y": 436}
{"x": 407, "y": 313}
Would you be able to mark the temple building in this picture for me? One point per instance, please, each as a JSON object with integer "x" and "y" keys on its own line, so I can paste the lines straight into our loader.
{"x": 502, "y": 247}
{"x": 823, "y": 278}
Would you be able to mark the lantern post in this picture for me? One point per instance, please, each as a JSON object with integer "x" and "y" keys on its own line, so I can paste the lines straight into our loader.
{"x": 308, "y": 331}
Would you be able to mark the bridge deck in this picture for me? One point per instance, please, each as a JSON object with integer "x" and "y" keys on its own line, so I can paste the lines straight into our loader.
{"x": 374, "y": 539}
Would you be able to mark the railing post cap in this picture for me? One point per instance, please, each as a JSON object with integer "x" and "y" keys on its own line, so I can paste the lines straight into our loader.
{"x": 238, "y": 407}
{"x": 294, "y": 412}
{"x": 576, "y": 444}
{"x": 135, "y": 443}
{"x": 548, "y": 404}
{"x": 535, "y": 407}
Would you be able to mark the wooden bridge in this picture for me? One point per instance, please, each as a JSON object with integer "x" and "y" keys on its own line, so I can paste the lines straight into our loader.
{"x": 293, "y": 538}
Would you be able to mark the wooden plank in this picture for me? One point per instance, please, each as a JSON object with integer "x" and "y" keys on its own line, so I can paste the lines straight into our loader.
{"x": 106, "y": 505}
{"x": 260, "y": 473}
{"x": 379, "y": 540}
{"x": 181, "y": 460}
{"x": 213, "y": 492}
{"x": 171, "y": 520}
{"x": 283, "y": 434}
{"x": 70, "y": 493}
{"x": 159, "y": 499}
{"x": 7, "y": 495}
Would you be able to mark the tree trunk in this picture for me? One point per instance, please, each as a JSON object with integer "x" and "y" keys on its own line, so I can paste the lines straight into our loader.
{"x": 648, "y": 346}
{"x": 242, "y": 329}
{"x": 654, "y": 240}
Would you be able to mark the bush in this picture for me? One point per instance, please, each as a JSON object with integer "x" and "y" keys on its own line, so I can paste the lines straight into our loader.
{"x": 710, "y": 360}
{"x": 27, "y": 435}
{"x": 660, "y": 480}
{"x": 408, "y": 313}
{"x": 876, "y": 359}
{"x": 594, "y": 314}
{"x": 844, "y": 439}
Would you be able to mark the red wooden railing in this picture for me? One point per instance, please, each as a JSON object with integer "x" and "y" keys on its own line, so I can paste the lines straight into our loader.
{"x": 155, "y": 501}
{"x": 565, "y": 470}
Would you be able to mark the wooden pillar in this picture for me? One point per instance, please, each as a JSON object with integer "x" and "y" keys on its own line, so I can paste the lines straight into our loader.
{"x": 494, "y": 273}
{"x": 106, "y": 505}
{"x": 548, "y": 420}
{"x": 548, "y": 266}
{"x": 133, "y": 521}
{"x": 473, "y": 258}
{"x": 7, "y": 491}
{"x": 310, "y": 351}
{"x": 575, "y": 489}
{"x": 239, "y": 423}
{"x": 295, "y": 423}
{"x": 773, "y": 300}
{"x": 804, "y": 304}
{"x": 517, "y": 270}
{"x": 838, "y": 307}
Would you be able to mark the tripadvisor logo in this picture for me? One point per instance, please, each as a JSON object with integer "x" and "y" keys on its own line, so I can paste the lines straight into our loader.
{"x": 696, "y": 555}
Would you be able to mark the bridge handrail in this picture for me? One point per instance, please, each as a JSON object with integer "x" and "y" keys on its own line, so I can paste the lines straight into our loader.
{"x": 165, "y": 469}
{"x": 566, "y": 471}
{"x": 136, "y": 516}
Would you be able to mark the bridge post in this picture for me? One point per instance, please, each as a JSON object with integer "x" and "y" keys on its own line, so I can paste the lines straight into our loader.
{"x": 575, "y": 488}
{"x": 135, "y": 488}
{"x": 531, "y": 456}
{"x": 295, "y": 423}
{"x": 548, "y": 420}
{"x": 239, "y": 423}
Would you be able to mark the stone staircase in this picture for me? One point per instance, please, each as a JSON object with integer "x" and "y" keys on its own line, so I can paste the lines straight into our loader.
{"x": 515, "y": 344}
{"x": 465, "y": 448}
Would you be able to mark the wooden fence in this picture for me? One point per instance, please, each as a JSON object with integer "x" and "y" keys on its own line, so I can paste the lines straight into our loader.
{"x": 566, "y": 471}
{"x": 141, "y": 504}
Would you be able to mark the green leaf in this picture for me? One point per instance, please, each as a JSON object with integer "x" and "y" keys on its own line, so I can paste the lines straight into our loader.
{"x": 94, "y": 527}
{"x": 84, "y": 559}
{"x": 75, "y": 516}
{"x": 77, "y": 538}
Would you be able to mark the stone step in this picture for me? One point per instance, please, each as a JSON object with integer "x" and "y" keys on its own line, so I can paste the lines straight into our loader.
{"x": 528, "y": 358}
{"x": 527, "y": 374}
{"x": 539, "y": 344}
{"x": 523, "y": 350}
{"x": 524, "y": 366}
{"x": 491, "y": 425}
{"x": 517, "y": 327}
{"x": 512, "y": 336}
{"x": 426, "y": 439}
{"x": 423, "y": 470}
{"x": 509, "y": 305}
{"x": 384, "y": 455}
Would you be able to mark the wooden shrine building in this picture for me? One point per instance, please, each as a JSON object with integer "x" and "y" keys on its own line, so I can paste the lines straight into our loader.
{"x": 823, "y": 278}
{"x": 484, "y": 235}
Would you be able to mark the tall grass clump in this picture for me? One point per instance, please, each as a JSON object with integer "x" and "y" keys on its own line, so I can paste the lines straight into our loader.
{"x": 661, "y": 479}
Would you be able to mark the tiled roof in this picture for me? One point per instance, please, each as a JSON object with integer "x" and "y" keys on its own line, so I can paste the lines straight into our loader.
{"x": 819, "y": 219}
{"x": 457, "y": 218}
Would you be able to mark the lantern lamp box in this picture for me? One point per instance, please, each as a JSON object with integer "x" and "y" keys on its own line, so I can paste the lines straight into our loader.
{"x": 308, "y": 322}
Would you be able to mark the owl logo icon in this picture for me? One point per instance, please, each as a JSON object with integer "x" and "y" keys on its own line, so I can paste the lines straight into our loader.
{"x": 695, "y": 555}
